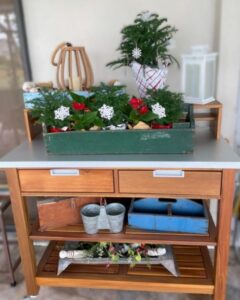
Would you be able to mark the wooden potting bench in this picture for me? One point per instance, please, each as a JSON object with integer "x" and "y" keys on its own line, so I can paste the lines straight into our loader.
{"x": 207, "y": 173}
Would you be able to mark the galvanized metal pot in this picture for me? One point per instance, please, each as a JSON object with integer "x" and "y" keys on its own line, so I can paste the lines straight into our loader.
{"x": 90, "y": 214}
{"x": 115, "y": 213}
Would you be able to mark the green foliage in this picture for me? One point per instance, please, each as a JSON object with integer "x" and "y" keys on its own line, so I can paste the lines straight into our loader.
{"x": 151, "y": 36}
{"x": 98, "y": 250}
{"x": 85, "y": 120}
{"x": 108, "y": 89}
{"x": 134, "y": 253}
{"x": 85, "y": 114}
{"x": 114, "y": 96}
{"x": 135, "y": 117}
{"x": 78, "y": 98}
{"x": 44, "y": 107}
{"x": 50, "y": 100}
{"x": 172, "y": 102}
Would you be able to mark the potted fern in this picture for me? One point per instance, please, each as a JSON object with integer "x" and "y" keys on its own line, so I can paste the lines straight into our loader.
{"x": 144, "y": 48}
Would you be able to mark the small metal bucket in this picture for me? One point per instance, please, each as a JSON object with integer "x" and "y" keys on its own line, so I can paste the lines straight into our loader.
{"x": 115, "y": 213}
{"x": 90, "y": 214}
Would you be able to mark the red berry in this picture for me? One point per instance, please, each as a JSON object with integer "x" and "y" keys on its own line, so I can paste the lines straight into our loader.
{"x": 136, "y": 103}
{"x": 143, "y": 110}
{"x": 78, "y": 106}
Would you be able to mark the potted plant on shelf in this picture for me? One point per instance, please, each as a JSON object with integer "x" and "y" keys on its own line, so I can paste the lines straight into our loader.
{"x": 108, "y": 253}
{"x": 144, "y": 47}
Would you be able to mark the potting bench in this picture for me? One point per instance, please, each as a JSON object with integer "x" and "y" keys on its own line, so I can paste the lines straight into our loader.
{"x": 205, "y": 174}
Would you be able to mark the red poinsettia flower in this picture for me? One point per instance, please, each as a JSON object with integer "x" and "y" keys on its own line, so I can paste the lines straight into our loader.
{"x": 78, "y": 106}
{"x": 136, "y": 103}
{"x": 143, "y": 110}
{"x": 55, "y": 130}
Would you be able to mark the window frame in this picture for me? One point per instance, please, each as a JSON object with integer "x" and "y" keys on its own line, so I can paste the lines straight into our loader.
{"x": 23, "y": 39}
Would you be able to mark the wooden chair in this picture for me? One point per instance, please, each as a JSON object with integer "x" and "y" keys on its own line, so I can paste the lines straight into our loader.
{"x": 4, "y": 205}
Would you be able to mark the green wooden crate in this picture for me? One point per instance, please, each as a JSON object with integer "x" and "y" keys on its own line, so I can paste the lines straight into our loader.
{"x": 177, "y": 140}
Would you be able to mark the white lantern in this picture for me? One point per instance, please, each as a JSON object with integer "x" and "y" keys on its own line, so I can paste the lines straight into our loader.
{"x": 199, "y": 75}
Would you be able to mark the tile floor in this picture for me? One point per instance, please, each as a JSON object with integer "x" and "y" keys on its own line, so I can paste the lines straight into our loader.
{"x": 9, "y": 293}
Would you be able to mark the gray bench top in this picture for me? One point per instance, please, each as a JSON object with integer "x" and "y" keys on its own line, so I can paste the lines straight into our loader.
{"x": 208, "y": 154}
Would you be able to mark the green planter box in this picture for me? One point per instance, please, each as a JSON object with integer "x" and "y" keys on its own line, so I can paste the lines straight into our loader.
{"x": 177, "y": 140}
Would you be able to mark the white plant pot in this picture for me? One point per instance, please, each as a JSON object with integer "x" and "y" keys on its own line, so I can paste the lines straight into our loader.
{"x": 149, "y": 78}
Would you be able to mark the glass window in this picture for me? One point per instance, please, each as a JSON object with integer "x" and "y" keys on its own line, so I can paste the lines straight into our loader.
{"x": 11, "y": 79}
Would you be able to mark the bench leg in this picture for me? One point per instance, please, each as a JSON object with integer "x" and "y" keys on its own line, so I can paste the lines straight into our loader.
{"x": 224, "y": 226}
{"x": 21, "y": 219}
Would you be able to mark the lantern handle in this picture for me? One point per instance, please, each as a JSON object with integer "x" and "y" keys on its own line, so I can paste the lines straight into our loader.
{"x": 57, "y": 49}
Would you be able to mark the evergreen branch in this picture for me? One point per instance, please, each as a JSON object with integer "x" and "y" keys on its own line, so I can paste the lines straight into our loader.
{"x": 151, "y": 36}
{"x": 117, "y": 63}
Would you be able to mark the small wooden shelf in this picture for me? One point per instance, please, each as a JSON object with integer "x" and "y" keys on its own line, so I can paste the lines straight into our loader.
{"x": 205, "y": 117}
{"x": 193, "y": 263}
{"x": 213, "y": 104}
{"x": 214, "y": 115}
{"x": 129, "y": 235}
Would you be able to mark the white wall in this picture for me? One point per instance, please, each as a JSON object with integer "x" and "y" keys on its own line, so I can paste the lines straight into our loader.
{"x": 96, "y": 24}
{"x": 229, "y": 65}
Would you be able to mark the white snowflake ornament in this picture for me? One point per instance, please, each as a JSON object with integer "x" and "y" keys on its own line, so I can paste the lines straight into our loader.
{"x": 137, "y": 53}
{"x": 159, "y": 110}
{"x": 106, "y": 112}
{"x": 61, "y": 113}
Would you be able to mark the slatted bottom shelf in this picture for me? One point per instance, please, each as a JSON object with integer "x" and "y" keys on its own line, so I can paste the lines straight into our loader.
{"x": 193, "y": 263}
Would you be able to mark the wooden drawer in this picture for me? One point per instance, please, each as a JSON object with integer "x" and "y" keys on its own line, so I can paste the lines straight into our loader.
{"x": 66, "y": 180}
{"x": 199, "y": 183}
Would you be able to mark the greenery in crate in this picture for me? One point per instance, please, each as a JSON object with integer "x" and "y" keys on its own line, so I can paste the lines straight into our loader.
{"x": 172, "y": 102}
{"x": 109, "y": 97}
{"x": 145, "y": 41}
{"x": 112, "y": 98}
{"x": 159, "y": 107}
{"x": 44, "y": 107}
{"x": 81, "y": 113}
{"x": 108, "y": 108}
{"x": 134, "y": 253}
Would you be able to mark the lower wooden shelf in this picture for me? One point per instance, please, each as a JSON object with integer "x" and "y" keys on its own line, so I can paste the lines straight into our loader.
{"x": 193, "y": 263}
